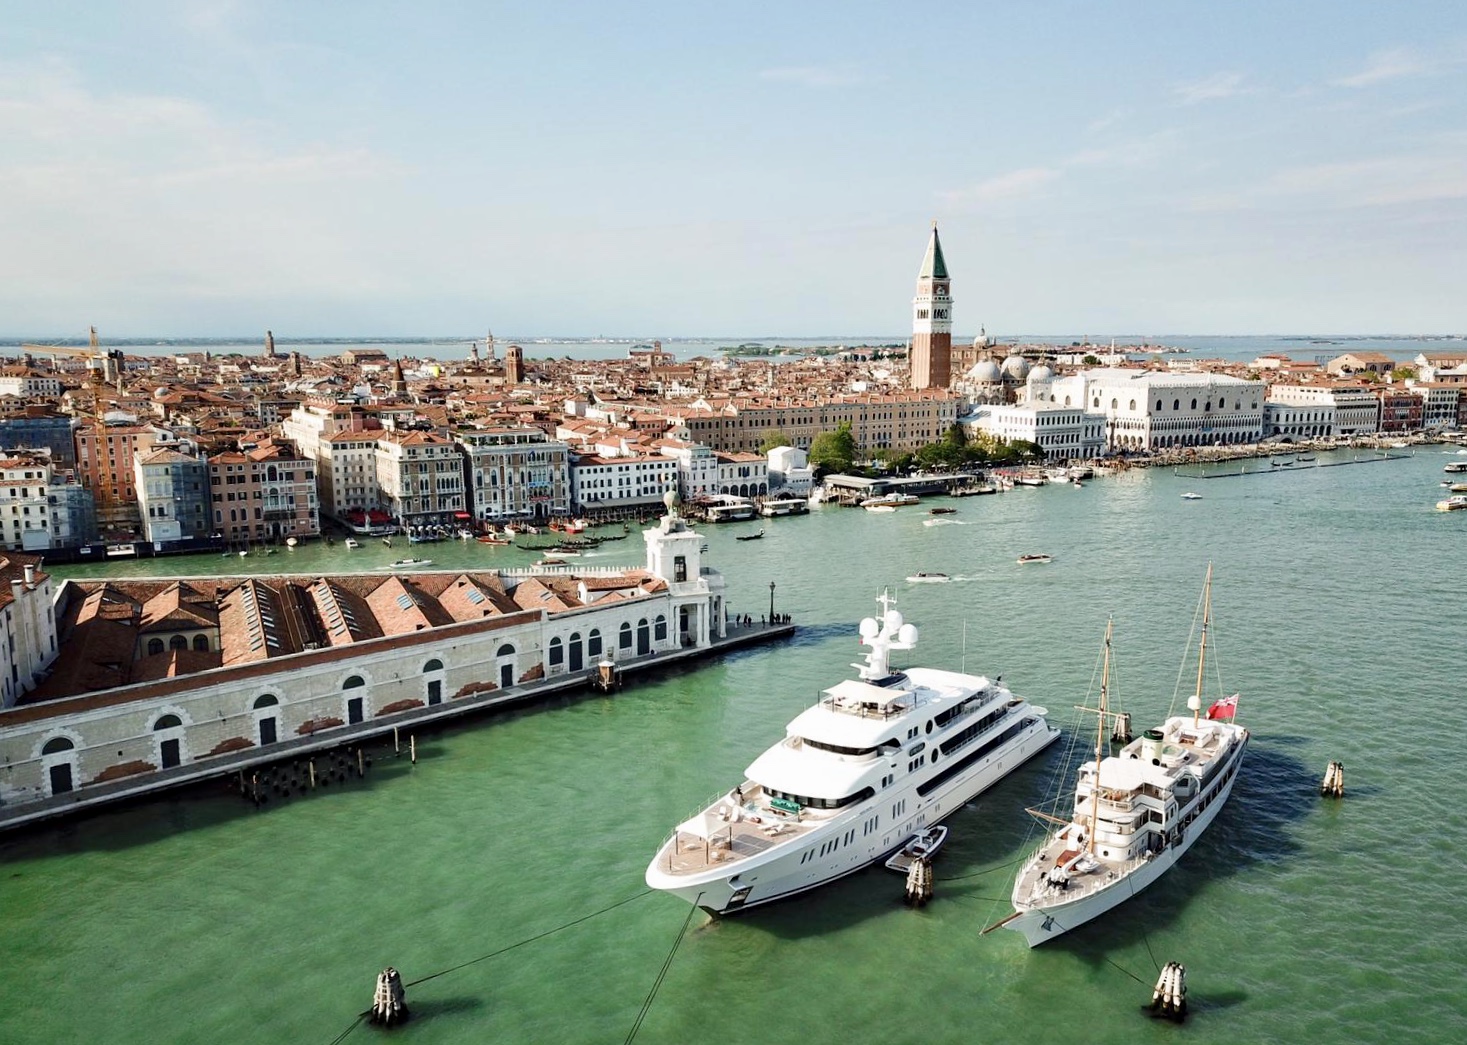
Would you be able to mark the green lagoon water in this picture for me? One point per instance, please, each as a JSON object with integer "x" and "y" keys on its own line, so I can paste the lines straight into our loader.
{"x": 1340, "y": 616}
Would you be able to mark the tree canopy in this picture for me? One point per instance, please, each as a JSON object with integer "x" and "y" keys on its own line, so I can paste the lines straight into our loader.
{"x": 834, "y": 451}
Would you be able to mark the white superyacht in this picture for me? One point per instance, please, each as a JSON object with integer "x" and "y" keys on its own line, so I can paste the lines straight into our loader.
{"x": 879, "y": 758}
{"x": 1134, "y": 820}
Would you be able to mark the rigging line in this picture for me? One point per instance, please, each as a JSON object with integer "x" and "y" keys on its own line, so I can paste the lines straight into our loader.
{"x": 662, "y": 974}
{"x": 532, "y": 939}
{"x": 1186, "y": 653}
{"x": 1128, "y": 972}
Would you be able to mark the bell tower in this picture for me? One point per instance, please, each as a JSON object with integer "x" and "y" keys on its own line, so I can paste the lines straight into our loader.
{"x": 932, "y": 320}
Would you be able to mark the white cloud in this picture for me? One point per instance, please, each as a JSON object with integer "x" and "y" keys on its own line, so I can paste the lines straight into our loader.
{"x": 1393, "y": 64}
{"x": 116, "y": 197}
{"x": 1379, "y": 182}
{"x": 1214, "y": 87}
{"x": 812, "y": 76}
{"x": 1019, "y": 184}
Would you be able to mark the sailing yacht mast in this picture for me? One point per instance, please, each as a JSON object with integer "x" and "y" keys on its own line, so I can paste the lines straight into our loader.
{"x": 1100, "y": 739}
{"x": 1196, "y": 702}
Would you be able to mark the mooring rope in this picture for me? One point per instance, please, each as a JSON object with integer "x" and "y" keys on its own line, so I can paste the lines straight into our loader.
{"x": 986, "y": 870}
{"x": 662, "y": 974}
{"x": 494, "y": 954}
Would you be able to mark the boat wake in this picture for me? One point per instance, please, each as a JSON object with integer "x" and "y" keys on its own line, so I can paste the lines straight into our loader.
{"x": 944, "y": 522}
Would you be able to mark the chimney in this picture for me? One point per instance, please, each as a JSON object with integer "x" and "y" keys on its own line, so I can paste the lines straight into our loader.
{"x": 30, "y": 573}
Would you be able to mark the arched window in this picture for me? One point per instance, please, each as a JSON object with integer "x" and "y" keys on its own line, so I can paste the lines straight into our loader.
{"x": 178, "y": 642}
{"x": 624, "y": 637}
{"x": 505, "y": 651}
{"x": 354, "y": 682}
{"x": 1194, "y": 404}
{"x": 1176, "y": 404}
{"x": 167, "y": 722}
{"x": 433, "y": 665}
{"x": 1158, "y": 406}
{"x": 593, "y": 643}
{"x": 1114, "y": 403}
{"x": 266, "y": 700}
{"x": 659, "y": 628}
{"x": 201, "y": 643}
{"x": 1132, "y": 406}
{"x": 155, "y": 646}
{"x": 557, "y": 652}
{"x": 56, "y": 745}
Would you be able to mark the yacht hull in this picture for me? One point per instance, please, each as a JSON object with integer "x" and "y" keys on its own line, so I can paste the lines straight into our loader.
{"x": 797, "y": 865}
{"x": 1041, "y": 923}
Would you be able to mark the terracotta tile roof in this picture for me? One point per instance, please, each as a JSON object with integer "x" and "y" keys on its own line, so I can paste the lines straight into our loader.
{"x": 401, "y": 607}
{"x": 176, "y": 607}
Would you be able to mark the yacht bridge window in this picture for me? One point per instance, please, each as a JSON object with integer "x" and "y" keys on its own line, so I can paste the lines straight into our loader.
{"x": 821, "y": 803}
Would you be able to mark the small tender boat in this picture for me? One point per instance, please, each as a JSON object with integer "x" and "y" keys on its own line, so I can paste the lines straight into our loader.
{"x": 1452, "y": 504}
{"x": 351, "y": 542}
{"x": 921, "y": 846}
{"x": 402, "y": 564}
{"x": 486, "y": 539}
{"x": 941, "y": 511}
{"x": 242, "y": 554}
{"x": 550, "y": 561}
{"x": 291, "y": 542}
{"x": 749, "y": 536}
{"x": 1190, "y": 496}
{"x": 927, "y": 578}
{"x": 1457, "y": 488}
{"x": 1456, "y": 466}
{"x": 1035, "y": 558}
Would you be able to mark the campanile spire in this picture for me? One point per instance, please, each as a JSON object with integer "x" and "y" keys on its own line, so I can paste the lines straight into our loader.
{"x": 932, "y": 322}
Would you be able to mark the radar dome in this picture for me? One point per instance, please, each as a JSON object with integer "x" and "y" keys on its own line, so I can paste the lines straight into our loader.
{"x": 908, "y": 635}
{"x": 869, "y": 627}
{"x": 893, "y": 619}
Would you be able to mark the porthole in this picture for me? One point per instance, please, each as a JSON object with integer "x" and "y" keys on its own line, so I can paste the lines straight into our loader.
{"x": 929, "y": 725}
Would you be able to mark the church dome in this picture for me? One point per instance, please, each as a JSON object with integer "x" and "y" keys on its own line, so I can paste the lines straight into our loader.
{"x": 1016, "y": 367}
{"x": 982, "y": 340}
{"x": 1040, "y": 373}
{"x": 985, "y": 371}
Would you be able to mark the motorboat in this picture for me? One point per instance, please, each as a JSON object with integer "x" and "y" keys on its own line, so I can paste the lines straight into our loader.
{"x": 877, "y": 759}
{"x": 1454, "y": 503}
{"x": 1026, "y": 559}
{"x": 928, "y": 578}
{"x": 1190, "y": 496}
{"x": 749, "y": 536}
{"x": 1135, "y": 813}
{"x": 488, "y": 539}
{"x": 1455, "y": 466}
{"x": 921, "y": 846}
{"x": 291, "y": 542}
{"x": 882, "y": 508}
{"x": 890, "y": 500}
{"x": 941, "y": 511}
{"x": 411, "y": 563}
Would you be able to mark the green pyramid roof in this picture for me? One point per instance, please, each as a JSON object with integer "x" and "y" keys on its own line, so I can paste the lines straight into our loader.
{"x": 933, "y": 266}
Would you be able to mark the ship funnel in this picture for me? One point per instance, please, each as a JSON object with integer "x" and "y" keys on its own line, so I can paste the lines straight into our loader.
{"x": 1151, "y": 743}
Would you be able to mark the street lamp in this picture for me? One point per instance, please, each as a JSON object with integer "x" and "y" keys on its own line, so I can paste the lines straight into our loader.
{"x": 771, "y": 602}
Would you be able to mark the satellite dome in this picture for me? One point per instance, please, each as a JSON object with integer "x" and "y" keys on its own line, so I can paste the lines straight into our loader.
{"x": 984, "y": 372}
{"x": 1016, "y": 367}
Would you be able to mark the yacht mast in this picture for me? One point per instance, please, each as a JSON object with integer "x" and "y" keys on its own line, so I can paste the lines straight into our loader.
{"x": 1196, "y": 702}
{"x": 1100, "y": 739}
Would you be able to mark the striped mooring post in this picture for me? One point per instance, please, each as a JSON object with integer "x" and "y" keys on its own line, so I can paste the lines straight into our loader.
{"x": 389, "y": 1002}
{"x": 1169, "y": 998}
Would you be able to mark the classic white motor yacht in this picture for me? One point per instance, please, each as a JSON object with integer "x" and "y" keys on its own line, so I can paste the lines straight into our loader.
{"x": 876, "y": 760}
{"x": 1135, "y": 813}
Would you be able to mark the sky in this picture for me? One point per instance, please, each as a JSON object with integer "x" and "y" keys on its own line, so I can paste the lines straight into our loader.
{"x": 679, "y": 169}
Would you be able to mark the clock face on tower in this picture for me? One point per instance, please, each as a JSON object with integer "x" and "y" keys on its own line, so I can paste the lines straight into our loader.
{"x": 939, "y": 288}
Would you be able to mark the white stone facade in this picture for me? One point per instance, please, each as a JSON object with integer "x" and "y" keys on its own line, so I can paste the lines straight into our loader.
{"x": 1148, "y": 410}
{"x": 516, "y": 473}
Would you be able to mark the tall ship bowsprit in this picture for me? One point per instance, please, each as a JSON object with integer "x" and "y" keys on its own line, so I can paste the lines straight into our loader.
{"x": 1135, "y": 813}
{"x": 877, "y": 759}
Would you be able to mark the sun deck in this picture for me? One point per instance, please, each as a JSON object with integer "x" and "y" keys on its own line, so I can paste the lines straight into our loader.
{"x": 713, "y": 839}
